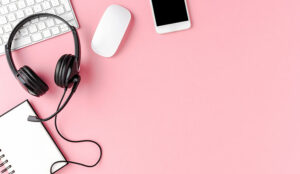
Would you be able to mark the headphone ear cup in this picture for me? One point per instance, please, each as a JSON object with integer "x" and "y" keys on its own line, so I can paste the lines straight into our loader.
{"x": 64, "y": 70}
{"x": 32, "y": 82}
{"x": 57, "y": 70}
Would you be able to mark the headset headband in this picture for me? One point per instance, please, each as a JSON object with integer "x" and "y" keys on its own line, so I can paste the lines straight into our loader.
{"x": 29, "y": 18}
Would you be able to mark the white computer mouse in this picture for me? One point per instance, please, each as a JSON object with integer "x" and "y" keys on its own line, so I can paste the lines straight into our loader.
{"x": 110, "y": 31}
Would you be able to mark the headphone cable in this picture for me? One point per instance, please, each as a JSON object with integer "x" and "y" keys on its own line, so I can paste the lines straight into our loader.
{"x": 73, "y": 141}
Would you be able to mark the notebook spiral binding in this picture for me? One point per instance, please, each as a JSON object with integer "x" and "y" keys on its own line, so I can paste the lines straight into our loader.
{"x": 4, "y": 162}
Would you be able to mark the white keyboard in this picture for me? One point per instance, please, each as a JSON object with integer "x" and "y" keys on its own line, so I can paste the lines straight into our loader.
{"x": 40, "y": 29}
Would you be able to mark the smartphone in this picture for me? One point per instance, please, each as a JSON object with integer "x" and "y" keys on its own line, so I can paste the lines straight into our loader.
{"x": 170, "y": 15}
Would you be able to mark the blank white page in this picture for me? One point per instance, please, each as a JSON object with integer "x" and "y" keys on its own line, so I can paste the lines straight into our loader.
{"x": 27, "y": 146}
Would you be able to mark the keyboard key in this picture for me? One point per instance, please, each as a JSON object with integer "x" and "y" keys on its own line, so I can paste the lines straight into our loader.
{"x": 14, "y": 23}
{"x": 43, "y": 18}
{"x": 64, "y": 28}
{"x": 30, "y": 2}
{"x": 20, "y": 14}
{"x": 38, "y": 1}
{"x": 11, "y": 17}
{"x": 26, "y": 24}
{"x": 68, "y": 16}
{"x": 46, "y": 5}
{"x": 21, "y": 42}
{"x": 18, "y": 35}
{"x": 5, "y": 37}
{"x": 12, "y": 7}
{"x": 28, "y": 11}
{"x": 37, "y": 36}
{"x": 3, "y": 20}
{"x": 66, "y": 5}
{"x": 21, "y": 4}
{"x": 7, "y": 28}
{"x": 41, "y": 25}
{"x": 4, "y": 2}
{"x": 51, "y": 11}
{"x": 60, "y": 10}
{"x": 47, "y": 33}
{"x": 37, "y": 8}
{"x": 58, "y": 21}
{"x": 50, "y": 22}
{"x": 3, "y": 10}
{"x": 55, "y": 30}
{"x": 73, "y": 23}
{"x": 24, "y": 32}
{"x": 32, "y": 28}
{"x": 33, "y": 21}
{"x": 55, "y": 3}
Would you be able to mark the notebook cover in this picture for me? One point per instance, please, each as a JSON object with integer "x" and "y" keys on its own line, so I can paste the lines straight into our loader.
{"x": 3, "y": 159}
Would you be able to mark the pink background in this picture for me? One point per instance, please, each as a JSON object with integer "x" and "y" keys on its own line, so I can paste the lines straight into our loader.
{"x": 222, "y": 97}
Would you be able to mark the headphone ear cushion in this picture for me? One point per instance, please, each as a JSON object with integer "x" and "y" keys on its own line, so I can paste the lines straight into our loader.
{"x": 34, "y": 84}
{"x": 62, "y": 70}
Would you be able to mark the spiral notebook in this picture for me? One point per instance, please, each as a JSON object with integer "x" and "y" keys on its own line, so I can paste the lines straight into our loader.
{"x": 26, "y": 147}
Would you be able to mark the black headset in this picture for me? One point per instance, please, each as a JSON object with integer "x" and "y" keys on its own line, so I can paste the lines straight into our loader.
{"x": 66, "y": 75}
{"x": 66, "y": 71}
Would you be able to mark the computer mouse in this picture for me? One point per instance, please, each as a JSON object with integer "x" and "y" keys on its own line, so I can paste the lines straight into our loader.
{"x": 111, "y": 30}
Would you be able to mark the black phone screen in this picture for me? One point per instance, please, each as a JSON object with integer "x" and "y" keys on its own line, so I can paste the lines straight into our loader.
{"x": 169, "y": 11}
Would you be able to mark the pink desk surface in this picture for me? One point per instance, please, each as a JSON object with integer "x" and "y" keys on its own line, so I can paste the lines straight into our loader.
{"x": 220, "y": 98}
